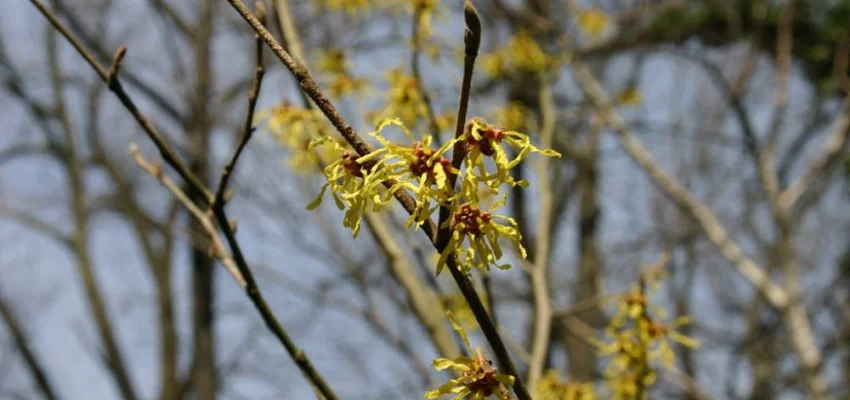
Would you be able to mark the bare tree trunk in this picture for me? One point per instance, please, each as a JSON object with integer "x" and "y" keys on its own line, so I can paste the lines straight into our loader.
{"x": 204, "y": 374}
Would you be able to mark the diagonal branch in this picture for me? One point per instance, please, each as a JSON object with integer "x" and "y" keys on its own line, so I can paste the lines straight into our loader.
{"x": 424, "y": 304}
{"x": 717, "y": 234}
{"x": 115, "y": 86}
{"x": 22, "y": 342}
{"x": 310, "y": 87}
{"x": 821, "y": 166}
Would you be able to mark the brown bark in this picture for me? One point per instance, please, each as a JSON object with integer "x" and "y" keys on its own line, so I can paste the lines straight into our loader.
{"x": 204, "y": 373}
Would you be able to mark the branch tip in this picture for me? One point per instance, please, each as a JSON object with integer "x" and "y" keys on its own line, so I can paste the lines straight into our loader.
{"x": 472, "y": 36}
{"x": 116, "y": 65}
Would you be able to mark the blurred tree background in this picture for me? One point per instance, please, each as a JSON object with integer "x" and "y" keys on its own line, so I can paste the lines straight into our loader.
{"x": 709, "y": 133}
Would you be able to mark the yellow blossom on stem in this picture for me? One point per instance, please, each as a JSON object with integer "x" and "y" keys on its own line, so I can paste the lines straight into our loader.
{"x": 457, "y": 304}
{"x": 335, "y": 69}
{"x": 295, "y": 127}
{"x": 426, "y": 10}
{"x": 478, "y": 378}
{"x": 521, "y": 53}
{"x": 486, "y": 141}
{"x": 551, "y": 387}
{"x": 639, "y": 340}
{"x": 415, "y": 167}
{"x": 404, "y": 101}
{"x": 475, "y": 237}
{"x": 353, "y": 186}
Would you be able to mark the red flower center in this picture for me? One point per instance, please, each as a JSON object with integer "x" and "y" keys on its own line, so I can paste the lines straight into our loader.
{"x": 490, "y": 136}
{"x": 470, "y": 219}
{"x": 349, "y": 162}
{"x": 420, "y": 166}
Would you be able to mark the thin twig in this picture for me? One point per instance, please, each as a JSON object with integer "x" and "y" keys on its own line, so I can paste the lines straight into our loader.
{"x": 217, "y": 248}
{"x": 717, "y": 234}
{"x": 251, "y": 287}
{"x": 24, "y": 344}
{"x": 236, "y": 264}
{"x": 472, "y": 42}
{"x": 116, "y": 87}
{"x": 248, "y": 129}
{"x": 311, "y": 88}
{"x": 819, "y": 167}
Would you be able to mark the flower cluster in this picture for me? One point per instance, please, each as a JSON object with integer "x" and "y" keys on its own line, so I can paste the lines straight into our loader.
{"x": 522, "y": 53}
{"x": 340, "y": 81}
{"x": 354, "y": 186}
{"x": 426, "y": 171}
{"x": 484, "y": 141}
{"x": 551, "y": 387}
{"x": 477, "y": 379}
{"x": 404, "y": 100}
{"x": 639, "y": 339}
{"x": 416, "y": 167}
{"x": 295, "y": 127}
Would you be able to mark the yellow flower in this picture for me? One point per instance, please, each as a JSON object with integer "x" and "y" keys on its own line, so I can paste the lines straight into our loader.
{"x": 485, "y": 140}
{"x": 334, "y": 67}
{"x": 494, "y": 64}
{"x": 426, "y": 9}
{"x": 629, "y": 97}
{"x": 527, "y": 55}
{"x": 593, "y": 22}
{"x": 416, "y": 167}
{"x": 294, "y": 128}
{"x": 350, "y": 7}
{"x": 332, "y": 61}
{"x": 521, "y": 53}
{"x": 551, "y": 387}
{"x": 640, "y": 339}
{"x": 478, "y": 378}
{"x": 661, "y": 334}
{"x": 404, "y": 101}
{"x": 343, "y": 85}
{"x": 446, "y": 121}
{"x": 354, "y": 187}
{"x": 475, "y": 237}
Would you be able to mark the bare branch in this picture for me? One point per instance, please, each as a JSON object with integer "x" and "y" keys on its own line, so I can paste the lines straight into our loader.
{"x": 35, "y": 367}
{"x": 715, "y": 231}
{"x": 540, "y": 270}
{"x": 218, "y": 249}
{"x": 309, "y": 86}
{"x": 116, "y": 87}
{"x": 823, "y": 164}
